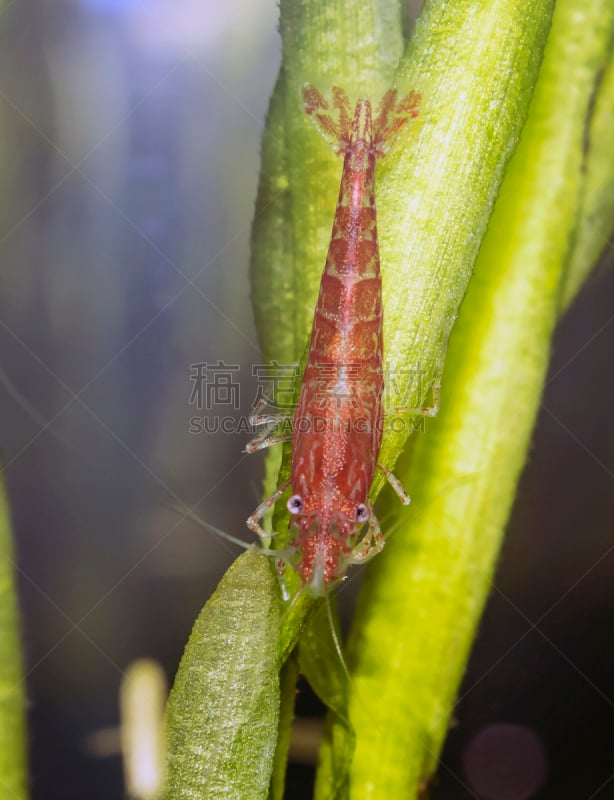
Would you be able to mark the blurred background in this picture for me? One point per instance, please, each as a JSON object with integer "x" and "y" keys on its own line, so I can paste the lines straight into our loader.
{"x": 129, "y": 141}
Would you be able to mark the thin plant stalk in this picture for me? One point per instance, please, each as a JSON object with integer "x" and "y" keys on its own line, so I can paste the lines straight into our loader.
{"x": 12, "y": 694}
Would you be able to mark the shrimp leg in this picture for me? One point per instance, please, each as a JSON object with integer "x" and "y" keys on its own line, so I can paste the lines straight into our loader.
{"x": 253, "y": 521}
{"x": 267, "y": 437}
{"x": 371, "y": 545}
{"x": 396, "y": 485}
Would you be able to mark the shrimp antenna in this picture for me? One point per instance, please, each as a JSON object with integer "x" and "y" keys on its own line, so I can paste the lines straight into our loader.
{"x": 189, "y": 514}
{"x": 46, "y": 425}
{"x": 294, "y": 601}
{"x": 331, "y": 622}
{"x": 333, "y": 630}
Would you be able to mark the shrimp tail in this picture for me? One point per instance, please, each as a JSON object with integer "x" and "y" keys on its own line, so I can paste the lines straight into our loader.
{"x": 333, "y": 119}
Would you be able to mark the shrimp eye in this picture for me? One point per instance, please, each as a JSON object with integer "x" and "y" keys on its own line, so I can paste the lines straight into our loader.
{"x": 362, "y": 513}
{"x": 295, "y": 504}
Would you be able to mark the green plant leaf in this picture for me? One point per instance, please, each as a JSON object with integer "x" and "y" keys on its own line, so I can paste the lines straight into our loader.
{"x": 289, "y": 678}
{"x": 475, "y": 63}
{"x": 597, "y": 206}
{"x": 271, "y": 273}
{"x": 223, "y": 711}
{"x": 321, "y": 664}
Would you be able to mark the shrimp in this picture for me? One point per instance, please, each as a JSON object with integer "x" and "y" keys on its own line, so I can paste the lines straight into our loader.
{"x": 338, "y": 423}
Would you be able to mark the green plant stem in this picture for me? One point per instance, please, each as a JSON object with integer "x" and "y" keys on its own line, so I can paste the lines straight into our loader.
{"x": 12, "y": 701}
{"x": 423, "y": 596}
